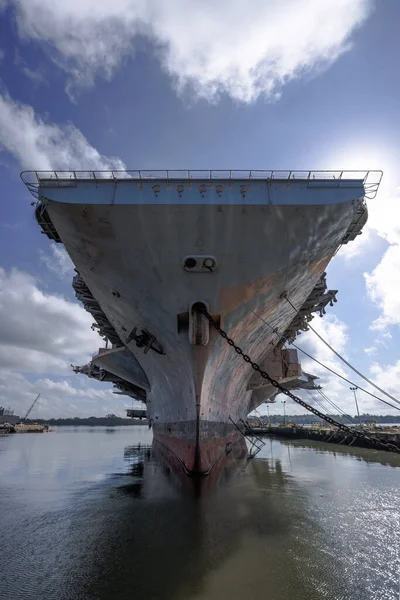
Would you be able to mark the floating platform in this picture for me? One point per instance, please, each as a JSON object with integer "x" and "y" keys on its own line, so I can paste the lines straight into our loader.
{"x": 387, "y": 435}
{"x": 29, "y": 428}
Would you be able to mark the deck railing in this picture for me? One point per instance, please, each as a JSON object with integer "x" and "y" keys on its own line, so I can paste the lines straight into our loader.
{"x": 370, "y": 179}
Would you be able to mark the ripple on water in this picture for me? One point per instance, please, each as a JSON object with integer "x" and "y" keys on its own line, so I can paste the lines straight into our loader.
{"x": 99, "y": 516}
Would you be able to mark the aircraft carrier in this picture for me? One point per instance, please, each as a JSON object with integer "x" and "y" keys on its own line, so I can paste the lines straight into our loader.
{"x": 154, "y": 249}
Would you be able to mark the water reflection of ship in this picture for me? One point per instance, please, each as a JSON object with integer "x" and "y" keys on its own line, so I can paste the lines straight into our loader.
{"x": 258, "y": 534}
{"x": 237, "y": 528}
{"x": 137, "y": 455}
{"x": 156, "y": 471}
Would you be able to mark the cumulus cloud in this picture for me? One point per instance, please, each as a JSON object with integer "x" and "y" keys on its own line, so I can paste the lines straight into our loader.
{"x": 383, "y": 221}
{"x": 58, "y": 261}
{"x": 333, "y": 330}
{"x": 387, "y": 377}
{"x": 371, "y": 351}
{"x": 36, "y": 76}
{"x": 14, "y": 358}
{"x": 384, "y": 339}
{"x": 38, "y": 145}
{"x": 384, "y": 214}
{"x": 382, "y": 288}
{"x": 381, "y": 281}
{"x": 357, "y": 247}
{"x": 59, "y": 398}
{"x": 243, "y": 48}
{"x": 336, "y": 333}
{"x": 383, "y": 224}
{"x": 41, "y": 333}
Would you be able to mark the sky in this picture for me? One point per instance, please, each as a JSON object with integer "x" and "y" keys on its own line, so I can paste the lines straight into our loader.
{"x": 221, "y": 84}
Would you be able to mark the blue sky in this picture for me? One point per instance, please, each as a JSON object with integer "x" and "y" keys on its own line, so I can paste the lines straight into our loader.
{"x": 254, "y": 84}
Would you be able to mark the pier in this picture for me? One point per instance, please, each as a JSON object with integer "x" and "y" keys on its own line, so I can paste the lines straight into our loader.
{"x": 387, "y": 435}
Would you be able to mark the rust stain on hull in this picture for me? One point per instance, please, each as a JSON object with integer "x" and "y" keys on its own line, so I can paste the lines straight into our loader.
{"x": 232, "y": 298}
{"x": 319, "y": 266}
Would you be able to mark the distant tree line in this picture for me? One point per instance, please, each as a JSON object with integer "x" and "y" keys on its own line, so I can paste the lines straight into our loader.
{"x": 309, "y": 418}
{"x": 114, "y": 421}
{"x": 108, "y": 421}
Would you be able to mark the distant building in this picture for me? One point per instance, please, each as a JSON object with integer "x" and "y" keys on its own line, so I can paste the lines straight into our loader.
{"x": 7, "y": 416}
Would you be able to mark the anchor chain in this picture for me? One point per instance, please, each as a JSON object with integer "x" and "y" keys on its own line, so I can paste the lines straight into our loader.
{"x": 355, "y": 433}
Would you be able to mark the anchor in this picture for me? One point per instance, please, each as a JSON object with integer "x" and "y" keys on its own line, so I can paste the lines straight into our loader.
{"x": 145, "y": 340}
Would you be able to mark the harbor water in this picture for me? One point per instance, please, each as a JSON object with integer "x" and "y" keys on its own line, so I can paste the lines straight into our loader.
{"x": 97, "y": 514}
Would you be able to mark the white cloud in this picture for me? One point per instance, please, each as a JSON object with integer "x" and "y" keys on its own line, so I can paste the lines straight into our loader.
{"x": 41, "y": 333}
{"x": 382, "y": 288}
{"x": 13, "y": 358}
{"x": 371, "y": 351}
{"x": 385, "y": 338}
{"x": 244, "y": 48}
{"x": 40, "y": 336}
{"x": 383, "y": 222}
{"x": 387, "y": 377}
{"x": 13, "y": 226}
{"x": 357, "y": 247}
{"x": 381, "y": 283}
{"x": 36, "y": 76}
{"x": 384, "y": 213}
{"x": 58, "y": 261}
{"x": 58, "y": 397}
{"x": 63, "y": 387}
{"x": 45, "y": 146}
{"x": 335, "y": 332}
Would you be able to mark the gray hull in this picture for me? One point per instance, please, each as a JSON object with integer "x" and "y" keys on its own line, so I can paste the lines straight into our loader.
{"x": 129, "y": 245}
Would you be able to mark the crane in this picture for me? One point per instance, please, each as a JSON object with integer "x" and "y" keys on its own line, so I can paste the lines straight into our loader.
{"x": 30, "y": 408}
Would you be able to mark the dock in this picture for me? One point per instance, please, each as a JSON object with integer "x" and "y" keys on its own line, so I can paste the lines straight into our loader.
{"x": 387, "y": 435}
{"x": 28, "y": 428}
